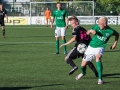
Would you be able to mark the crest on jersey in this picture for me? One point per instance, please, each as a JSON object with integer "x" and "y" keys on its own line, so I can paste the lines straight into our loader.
{"x": 107, "y": 34}
{"x": 62, "y": 13}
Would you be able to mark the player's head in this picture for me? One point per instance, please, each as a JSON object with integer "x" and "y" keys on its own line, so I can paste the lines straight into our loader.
{"x": 1, "y": 6}
{"x": 47, "y": 8}
{"x": 102, "y": 22}
{"x": 74, "y": 22}
{"x": 58, "y": 5}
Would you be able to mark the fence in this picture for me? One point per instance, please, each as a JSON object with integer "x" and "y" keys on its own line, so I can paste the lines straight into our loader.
{"x": 79, "y": 8}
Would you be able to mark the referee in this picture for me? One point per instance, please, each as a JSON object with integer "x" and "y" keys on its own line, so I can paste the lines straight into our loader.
{"x": 3, "y": 13}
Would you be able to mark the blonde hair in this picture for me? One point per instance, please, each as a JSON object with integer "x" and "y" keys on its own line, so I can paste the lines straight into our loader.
{"x": 103, "y": 19}
{"x": 73, "y": 18}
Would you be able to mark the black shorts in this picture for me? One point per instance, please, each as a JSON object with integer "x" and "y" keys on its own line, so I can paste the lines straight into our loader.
{"x": 73, "y": 54}
{"x": 2, "y": 23}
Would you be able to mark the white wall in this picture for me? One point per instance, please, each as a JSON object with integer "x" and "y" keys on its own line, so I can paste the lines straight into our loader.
{"x": 40, "y": 20}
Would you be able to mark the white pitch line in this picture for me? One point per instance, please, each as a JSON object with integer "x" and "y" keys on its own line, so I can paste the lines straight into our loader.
{"x": 25, "y": 42}
{"x": 34, "y": 42}
{"x": 27, "y": 27}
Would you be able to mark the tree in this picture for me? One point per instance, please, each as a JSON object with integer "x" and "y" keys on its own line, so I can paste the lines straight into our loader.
{"x": 111, "y": 6}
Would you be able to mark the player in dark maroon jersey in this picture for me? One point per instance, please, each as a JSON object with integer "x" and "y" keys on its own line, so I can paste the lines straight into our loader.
{"x": 3, "y": 13}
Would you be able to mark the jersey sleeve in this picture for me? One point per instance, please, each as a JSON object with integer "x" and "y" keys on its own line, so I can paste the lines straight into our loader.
{"x": 74, "y": 32}
{"x": 95, "y": 27}
{"x": 115, "y": 33}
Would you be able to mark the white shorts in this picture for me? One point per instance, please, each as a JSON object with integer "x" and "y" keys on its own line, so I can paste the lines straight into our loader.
{"x": 60, "y": 31}
{"x": 91, "y": 52}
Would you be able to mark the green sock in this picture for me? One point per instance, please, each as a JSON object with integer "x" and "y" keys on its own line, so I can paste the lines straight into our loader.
{"x": 64, "y": 41}
{"x": 99, "y": 68}
{"x": 83, "y": 70}
{"x": 57, "y": 45}
{"x": 3, "y": 32}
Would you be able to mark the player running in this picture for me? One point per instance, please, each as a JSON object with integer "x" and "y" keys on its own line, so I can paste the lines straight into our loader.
{"x": 61, "y": 20}
{"x": 3, "y": 13}
{"x": 79, "y": 35}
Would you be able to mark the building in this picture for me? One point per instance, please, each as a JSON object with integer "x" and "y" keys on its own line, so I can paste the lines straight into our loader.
{"x": 18, "y": 7}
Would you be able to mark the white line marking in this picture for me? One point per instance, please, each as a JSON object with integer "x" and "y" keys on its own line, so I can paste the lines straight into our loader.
{"x": 27, "y": 27}
{"x": 34, "y": 42}
{"x": 25, "y": 42}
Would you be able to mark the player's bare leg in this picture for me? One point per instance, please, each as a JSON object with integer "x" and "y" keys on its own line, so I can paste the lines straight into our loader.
{"x": 47, "y": 22}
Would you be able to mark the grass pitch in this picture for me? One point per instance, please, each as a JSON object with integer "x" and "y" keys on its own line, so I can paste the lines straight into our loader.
{"x": 27, "y": 62}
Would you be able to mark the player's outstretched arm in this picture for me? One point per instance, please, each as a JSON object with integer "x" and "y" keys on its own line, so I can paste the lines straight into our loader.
{"x": 6, "y": 17}
{"x": 91, "y": 32}
{"x": 115, "y": 42}
{"x": 69, "y": 42}
{"x": 66, "y": 21}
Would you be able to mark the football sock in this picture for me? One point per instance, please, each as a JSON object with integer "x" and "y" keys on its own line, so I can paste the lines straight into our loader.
{"x": 99, "y": 68}
{"x": 64, "y": 41}
{"x": 83, "y": 70}
{"x": 3, "y": 32}
{"x": 92, "y": 67}
{"x": 57, "y": 45}
{"x": 69, "y": 61}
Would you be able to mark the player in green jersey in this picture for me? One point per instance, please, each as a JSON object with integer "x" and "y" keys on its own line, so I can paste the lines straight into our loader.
{"x": 61, "y": 20}
{"x": 102, "y": 32}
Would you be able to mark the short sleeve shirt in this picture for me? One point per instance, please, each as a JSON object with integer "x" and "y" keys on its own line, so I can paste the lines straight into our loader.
{"x": 81, "y": 36}
{"x": 101, "y": 37}
{"x": 2, "y": 14}
{"x": 60, "y": 16}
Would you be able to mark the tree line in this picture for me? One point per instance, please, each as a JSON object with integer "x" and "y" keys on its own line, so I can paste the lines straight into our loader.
{"x": 102, "y": 7}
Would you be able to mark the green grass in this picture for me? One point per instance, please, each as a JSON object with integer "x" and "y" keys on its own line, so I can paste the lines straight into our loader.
{"x": 27, "y": 62}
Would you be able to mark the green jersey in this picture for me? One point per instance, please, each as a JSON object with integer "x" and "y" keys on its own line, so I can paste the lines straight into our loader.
{"x": 101, "y": 37}
{"x": 59, "y": 16}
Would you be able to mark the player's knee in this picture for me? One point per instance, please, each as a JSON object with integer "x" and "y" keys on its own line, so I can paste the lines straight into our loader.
{"x": 3, "y": 28}
{"x": 68, "y": 61}
{"x": 63, "y": 37}
{"x": 98, "y": 57}
{"x": 66, "y": 58}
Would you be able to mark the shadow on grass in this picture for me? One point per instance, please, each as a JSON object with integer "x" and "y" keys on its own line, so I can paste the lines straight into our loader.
{"x": 14, "y": 88}
{"x": 22, "y": 43}
{"x": 112, "y": 51}
{"x": 19, "y": 88}
{"x": 113, "y": 75}
{"x": 46, "y": 36}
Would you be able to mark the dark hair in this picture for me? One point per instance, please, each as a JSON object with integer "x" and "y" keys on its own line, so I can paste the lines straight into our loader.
{"x": 58, "y": 3}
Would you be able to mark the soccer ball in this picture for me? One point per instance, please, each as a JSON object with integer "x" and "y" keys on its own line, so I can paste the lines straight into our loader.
{"x": 81, "y": 48}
